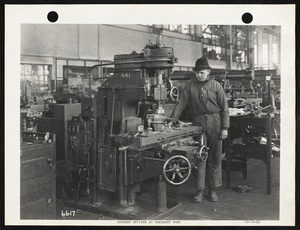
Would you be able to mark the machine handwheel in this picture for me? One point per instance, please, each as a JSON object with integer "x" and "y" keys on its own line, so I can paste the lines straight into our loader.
{"x": 202, "y": 154}
{"x": 174, "y": 93}
{"x": 177, "y": 170}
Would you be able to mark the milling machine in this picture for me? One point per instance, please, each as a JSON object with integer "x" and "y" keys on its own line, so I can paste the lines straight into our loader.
{"x": 123, "y": 137}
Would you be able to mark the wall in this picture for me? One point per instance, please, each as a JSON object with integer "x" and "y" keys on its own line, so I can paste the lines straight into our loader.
{"x": 118, "y": 40}
{"x": 100, "y": 42}
{"x": 49, "y": 40}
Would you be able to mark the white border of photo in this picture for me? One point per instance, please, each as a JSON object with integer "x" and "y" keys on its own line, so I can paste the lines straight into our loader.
{"x": 282, "y": 15}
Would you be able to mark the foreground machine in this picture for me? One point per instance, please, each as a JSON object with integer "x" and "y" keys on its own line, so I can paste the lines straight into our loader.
{"x": 122, "y": 137}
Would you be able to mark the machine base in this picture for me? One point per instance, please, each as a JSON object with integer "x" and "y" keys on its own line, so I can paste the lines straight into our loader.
{"x": 144, "y": 209}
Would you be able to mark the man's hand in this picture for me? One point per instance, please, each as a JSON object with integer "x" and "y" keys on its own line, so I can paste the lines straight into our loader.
{"x": 173, "y": 124}
{"x": 169, "y": 124}
{"x": 224, "y": 134}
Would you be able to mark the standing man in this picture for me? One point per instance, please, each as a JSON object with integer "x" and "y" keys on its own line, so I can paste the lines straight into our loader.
{"x": 208, "y": 108}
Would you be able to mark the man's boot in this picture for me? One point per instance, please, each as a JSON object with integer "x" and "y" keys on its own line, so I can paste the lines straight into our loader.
{"x": 198, "y": 197}
{"x": 212, "y": 195}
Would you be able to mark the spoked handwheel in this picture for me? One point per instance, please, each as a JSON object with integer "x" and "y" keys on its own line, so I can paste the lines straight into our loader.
{"x": 174, "y": 93}
{"x": 202, "y": 154}
{"x": 177, "y": 170}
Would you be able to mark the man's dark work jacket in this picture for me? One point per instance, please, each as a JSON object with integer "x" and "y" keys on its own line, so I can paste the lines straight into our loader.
{"x": 204, "y": 99}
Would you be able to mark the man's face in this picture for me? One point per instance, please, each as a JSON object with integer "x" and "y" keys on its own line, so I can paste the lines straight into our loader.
{"x": 202, "y": 74}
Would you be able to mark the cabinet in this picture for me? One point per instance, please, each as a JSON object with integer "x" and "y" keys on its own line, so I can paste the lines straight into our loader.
{"x": 59, "y": 125}
{"x": 250, "y": 126}
{"x": 38, "y": 196}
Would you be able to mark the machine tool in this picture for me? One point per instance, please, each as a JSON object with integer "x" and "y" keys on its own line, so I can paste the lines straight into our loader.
{"x": 123, "y": 137}
{"x": 252, "y": 88}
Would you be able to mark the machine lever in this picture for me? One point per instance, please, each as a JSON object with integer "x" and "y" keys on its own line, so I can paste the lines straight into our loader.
{"x": 122, "y": 148}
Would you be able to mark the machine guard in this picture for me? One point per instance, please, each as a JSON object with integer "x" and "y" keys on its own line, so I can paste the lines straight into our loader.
{"x": 107, "y": 173}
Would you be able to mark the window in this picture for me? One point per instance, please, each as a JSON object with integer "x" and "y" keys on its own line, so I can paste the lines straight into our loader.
{"x": 77, "y": 76}
{"x": 175, "y": 27}
{"x": 275, "y": 55}
{"x": 255, "y": 55}
{"x": 35, "y": 83}
{"x": 240, "y": 43}
{"x": 213, "y": 38}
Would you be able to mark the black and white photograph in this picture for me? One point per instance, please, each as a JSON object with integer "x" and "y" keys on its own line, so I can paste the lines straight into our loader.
{"x": 122, "y": 116}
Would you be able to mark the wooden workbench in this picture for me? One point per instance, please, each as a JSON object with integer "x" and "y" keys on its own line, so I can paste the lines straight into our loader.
{"x": 247, "y": 149}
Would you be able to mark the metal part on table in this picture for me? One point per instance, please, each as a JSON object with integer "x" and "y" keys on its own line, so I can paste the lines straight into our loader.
{"x": 157, "y": 121}
{"x": 152, "y": 138}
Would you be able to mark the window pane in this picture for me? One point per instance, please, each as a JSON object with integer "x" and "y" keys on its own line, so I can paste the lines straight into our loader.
{"x": 35, "y": 83}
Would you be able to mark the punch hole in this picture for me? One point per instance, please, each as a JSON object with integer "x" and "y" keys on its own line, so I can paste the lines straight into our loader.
{"x": 52, "y": 16}
{"x": 247, "y": 18}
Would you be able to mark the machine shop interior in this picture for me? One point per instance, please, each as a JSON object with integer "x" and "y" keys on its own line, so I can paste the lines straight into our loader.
{"x": 97, "y": 141}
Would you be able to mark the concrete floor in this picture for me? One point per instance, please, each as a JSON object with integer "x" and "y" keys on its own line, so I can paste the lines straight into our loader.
{"x": 255, "y": 204}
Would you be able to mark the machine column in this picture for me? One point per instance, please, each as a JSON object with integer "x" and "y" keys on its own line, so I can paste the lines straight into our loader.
{"x": 123, "y": 183}
{"x": 228, "y": 31}
{"x": 270, "y": 51}
{"x": 94, "y": 159}
{"x": 161, "y": 195}
{"x": 259, "y": 48}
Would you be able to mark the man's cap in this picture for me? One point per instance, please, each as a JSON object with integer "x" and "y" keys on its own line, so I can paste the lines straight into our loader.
{"x": 201, "y": 64}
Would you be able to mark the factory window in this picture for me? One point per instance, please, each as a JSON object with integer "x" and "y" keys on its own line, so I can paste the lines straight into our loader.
{"x": 266, "y": 47}
{"x": 36, "y": 84}
{"x": 240, "y": 43}
{"x": 185, "y": 29}
{"x": 265, "y": 56}
{"x": 255, "y": 55}
{"x": 77, "y": 76}
{"x": 174, "y": 27}
{"x": 213, "y": 39}
{"x": 275, "y": 55}
{"x": 180, "y": 28}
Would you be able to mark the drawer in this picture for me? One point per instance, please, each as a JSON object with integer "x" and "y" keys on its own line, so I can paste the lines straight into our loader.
{"x": 38, "y": 204}
{"x": 38, "y": 184}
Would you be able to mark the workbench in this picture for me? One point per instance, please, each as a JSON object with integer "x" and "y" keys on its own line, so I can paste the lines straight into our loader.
{"x": 247, "y": 127}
